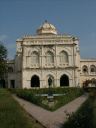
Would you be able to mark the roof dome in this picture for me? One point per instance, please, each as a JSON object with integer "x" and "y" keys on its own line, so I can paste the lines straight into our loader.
{"x": 46, "y": 29}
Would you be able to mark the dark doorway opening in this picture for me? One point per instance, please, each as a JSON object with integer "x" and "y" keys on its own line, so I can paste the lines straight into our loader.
{"x": 2, "y": 83}
{"x": 35, "y": 82}
{"x": 12, "y": 83}
{"x": 64, "y": 80}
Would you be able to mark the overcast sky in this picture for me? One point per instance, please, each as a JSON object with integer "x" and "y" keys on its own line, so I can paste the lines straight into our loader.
{"x": 75, "y": 17}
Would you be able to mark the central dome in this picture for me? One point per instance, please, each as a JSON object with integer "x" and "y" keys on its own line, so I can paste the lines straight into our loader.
{"x": 47, "y": 29}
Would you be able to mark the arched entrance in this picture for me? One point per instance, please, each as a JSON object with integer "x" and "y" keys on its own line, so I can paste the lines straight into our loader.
{"x": 35, "y": 82}
{"x": 64, "y": 80}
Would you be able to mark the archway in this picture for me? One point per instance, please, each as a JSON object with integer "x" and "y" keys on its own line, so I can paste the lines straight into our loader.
{"x": 35, "y": 82}
{"x": 64, "y": 80}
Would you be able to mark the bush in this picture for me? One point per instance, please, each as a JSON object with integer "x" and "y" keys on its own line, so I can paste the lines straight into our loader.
{"x": 30, "y": 95}
{"x": 83, "y": 117}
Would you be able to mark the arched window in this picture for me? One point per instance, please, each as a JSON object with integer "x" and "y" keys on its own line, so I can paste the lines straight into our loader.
{"x": 63, "y": 57}
{"x": 35, "y": 58}
{"x": 49, "y": 58}
{"x": 85, "y": 69}
{"x": 92, "y": 68}
{"x": 10, "y": 69}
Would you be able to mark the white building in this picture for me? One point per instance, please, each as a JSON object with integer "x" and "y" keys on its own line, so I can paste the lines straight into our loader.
{"x": 49, "y": 55}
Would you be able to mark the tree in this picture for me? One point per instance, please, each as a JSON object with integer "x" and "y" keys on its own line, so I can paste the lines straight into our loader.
{"x": 3, "y": 60}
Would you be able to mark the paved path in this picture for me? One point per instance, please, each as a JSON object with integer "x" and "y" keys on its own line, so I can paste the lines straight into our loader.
{"x": 51, "y": 119}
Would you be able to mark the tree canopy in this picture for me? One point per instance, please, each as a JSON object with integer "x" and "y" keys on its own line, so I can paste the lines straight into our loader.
{"x": 3, "y": 59}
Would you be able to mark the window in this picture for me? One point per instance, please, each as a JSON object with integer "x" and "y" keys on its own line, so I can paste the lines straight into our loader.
{"x": 12, "y": 83}
{"x": 85, "y": 69}
{"x": 63, "y": 57}
{"x": 92, "y": 68}
{"x": 35, "y": 81}
{"x": 49, "y": 58}
{"x": 10, "y": 69}
{"x": 35, "y": 58}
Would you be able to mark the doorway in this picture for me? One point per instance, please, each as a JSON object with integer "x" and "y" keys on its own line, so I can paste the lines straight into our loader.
{"x": 35, "y": 82}
{"x": 2, "y": 83}
{"x": 64, "y": 80}
{"x": 12, "y": 83}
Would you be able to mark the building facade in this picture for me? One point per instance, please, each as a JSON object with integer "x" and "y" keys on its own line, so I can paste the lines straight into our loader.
{"x": 49, "y": 55}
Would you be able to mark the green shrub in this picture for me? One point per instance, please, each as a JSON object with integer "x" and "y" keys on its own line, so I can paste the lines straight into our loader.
{"x": 30, "y": 95}
{"x": 83, "y": 118}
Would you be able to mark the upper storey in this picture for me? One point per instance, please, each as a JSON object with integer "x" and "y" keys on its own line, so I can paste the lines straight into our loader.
{"x": 46, "y": 29}
{"x": 47, "y": 35}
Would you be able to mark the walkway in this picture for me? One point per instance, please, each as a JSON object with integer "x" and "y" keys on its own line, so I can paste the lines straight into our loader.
{"x": 51, "y": 119}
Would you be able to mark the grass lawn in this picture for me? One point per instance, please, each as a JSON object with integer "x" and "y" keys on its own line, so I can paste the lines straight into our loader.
{"x": 12, "y": 115}
{"x": 30, "y": 95}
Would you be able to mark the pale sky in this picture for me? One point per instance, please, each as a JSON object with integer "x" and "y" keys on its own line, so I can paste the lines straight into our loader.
{"x": 74, "y": 17}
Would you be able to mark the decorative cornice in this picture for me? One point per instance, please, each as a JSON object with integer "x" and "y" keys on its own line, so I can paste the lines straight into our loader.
{"x": 88, "y": 60}
{"x": 49, "y": 36}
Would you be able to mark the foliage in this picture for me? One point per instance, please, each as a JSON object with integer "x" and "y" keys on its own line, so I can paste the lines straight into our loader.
{"x": 85, "y": 117}
{"x": 3, "y": 56}
{"x": 30, "y": 95}
{"x": 94, "y": 113}
{"x": 59, "y": 90}
{"x": 89, "y": 89}
{"x": 12, "y": 115}
{"x": 88, "y": 82}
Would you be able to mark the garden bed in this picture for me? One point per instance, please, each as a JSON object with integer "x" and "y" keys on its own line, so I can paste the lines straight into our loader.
{"x": 59, "y": 100}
